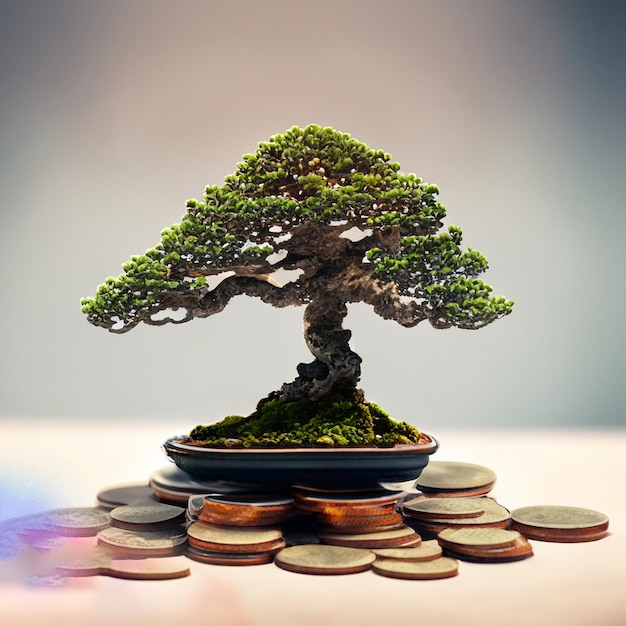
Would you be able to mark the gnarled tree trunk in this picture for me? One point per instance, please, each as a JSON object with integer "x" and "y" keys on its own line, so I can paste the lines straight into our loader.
{"x": 328, "y": 341}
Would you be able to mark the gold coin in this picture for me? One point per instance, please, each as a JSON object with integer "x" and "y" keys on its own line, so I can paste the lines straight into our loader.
{"x": 478, "y": 537}
{"x": 377, "y": 498}
{"x": 443, "y": 567}
{"x": 426, "y": 551}
{"x": 560, "y": 523}
{"x": 455, "y": 476}
{"x": 561, "y": 517}
{"x": 445, "y": 508}
{"x": 324, "y": 559}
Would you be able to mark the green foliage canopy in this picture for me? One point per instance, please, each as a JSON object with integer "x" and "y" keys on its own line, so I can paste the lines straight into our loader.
{"x": 312, "y": 211}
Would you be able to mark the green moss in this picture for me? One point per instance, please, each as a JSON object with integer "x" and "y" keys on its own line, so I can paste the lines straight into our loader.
{"x": 339, "y": 419}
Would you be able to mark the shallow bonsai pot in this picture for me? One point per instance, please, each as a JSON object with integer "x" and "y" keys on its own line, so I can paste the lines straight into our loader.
{"x": 349, "y": 466}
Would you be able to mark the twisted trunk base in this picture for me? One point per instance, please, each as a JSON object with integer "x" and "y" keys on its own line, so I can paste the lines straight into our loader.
{"x": 335, "y": 363}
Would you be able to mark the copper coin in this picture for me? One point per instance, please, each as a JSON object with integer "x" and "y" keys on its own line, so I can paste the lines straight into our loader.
{"x": 151, "y": 516}
{"x": 426, "y": 551}
{"x": 340, "y": 521}
{"x": 324, "y": 559}
{"x": 559, "y": 536}
{"x": 386, "y": 539}
{"x": 455, "y": 476}
{"x": 443, "y": 567}
{"x": 77, "y": 521}
{"x": 360, "y": 530}
{"x": 326, "y": 503}
{"x": 210, "y": 537}
{"x": 255, "y": 510}
{"x": 482, "y": 538}
{"x": 338, "y": 512}
{"x": 147, "y": 543}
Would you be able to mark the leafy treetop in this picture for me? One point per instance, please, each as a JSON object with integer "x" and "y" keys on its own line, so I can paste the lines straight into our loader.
{"x": 313, "y": 217}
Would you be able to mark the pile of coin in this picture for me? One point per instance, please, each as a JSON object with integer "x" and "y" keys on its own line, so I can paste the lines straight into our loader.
{"x": 81, "y": 541}
{"x": 415, "y": 531}
{"x": 232, "y": 545}
{"x": 145, "y": 530}
{"x": 431, "y": 515}
{"x": 350, "y": 512}
{"x": 485, "y": 545}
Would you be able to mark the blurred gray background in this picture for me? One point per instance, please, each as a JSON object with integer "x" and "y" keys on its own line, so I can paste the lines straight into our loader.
{"x": 113, "y": 113}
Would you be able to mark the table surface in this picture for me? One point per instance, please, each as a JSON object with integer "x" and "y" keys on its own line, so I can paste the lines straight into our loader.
{"x": 48, "y": 464}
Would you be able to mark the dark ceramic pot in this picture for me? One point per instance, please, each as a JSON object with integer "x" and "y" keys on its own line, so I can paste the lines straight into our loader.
{"x": 332, "y": 466}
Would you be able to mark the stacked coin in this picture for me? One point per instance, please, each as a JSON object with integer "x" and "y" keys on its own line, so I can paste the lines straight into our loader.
{"x": 485, "y": 545}
{"x": 45, "y": 531}
{"x": 422, "y": 562}
{"x": 247, "y": 510}
{"x": 348, "y": 512}
{"x": 442, "y": 567}
{"x": 77, "y": 521}
{"x": 143, "y": 544}
{"x": 560, "y": 523}
{"x": 145, "y": 530}
{"x": 425, "y": 551}
{"x": 357, "y": 519}
{"x": 430, "y": 515}
{"x": 230, "y": 545}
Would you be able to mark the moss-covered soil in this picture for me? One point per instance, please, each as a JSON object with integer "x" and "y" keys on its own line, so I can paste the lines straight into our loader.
{"x": 338, "y": 419}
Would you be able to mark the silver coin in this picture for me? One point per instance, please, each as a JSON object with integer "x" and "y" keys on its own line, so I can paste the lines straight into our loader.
{"x": 146, "y": 513}
{"x": 454, "y": 475}
{"x": 77, "y": 520}
{"x": 567, "y": 517}
{"x": 148, "y": 540}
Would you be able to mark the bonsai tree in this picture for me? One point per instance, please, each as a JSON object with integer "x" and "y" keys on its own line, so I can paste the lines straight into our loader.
{"x": 318, "y": 219}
